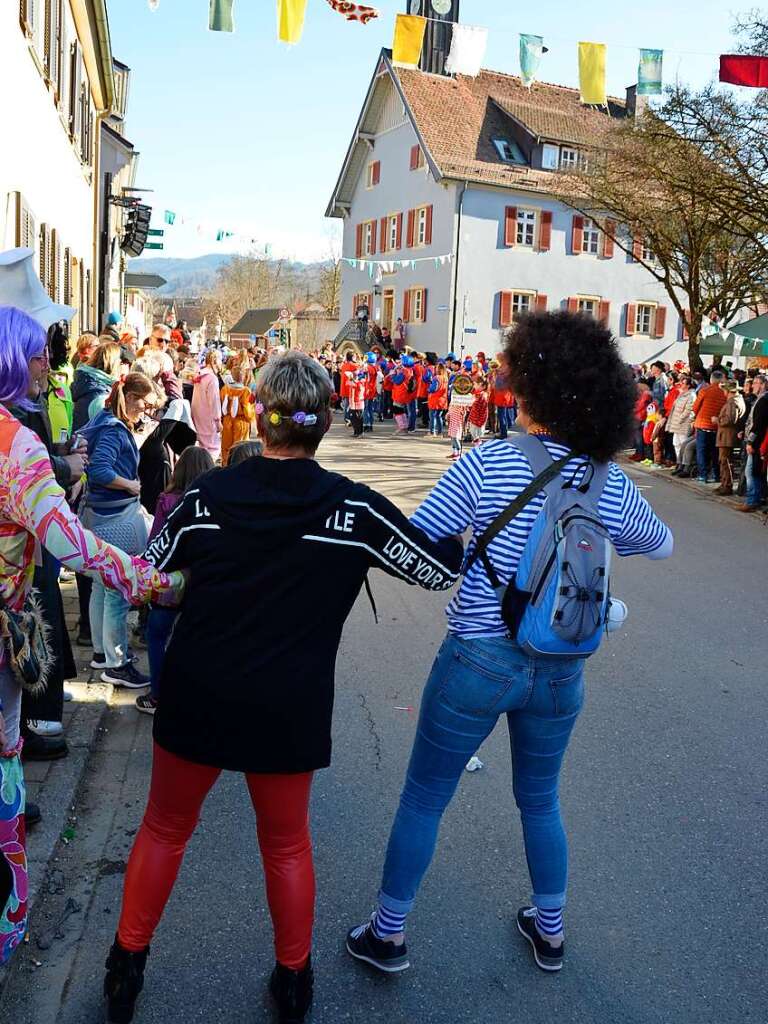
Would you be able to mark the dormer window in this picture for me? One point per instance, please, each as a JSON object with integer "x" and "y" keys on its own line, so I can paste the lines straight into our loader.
{"x": 509, "y": 151}
{"x": 569, "y": 159}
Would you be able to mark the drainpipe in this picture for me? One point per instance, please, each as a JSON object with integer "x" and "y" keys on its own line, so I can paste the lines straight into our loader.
{"x": 456, "y": 268}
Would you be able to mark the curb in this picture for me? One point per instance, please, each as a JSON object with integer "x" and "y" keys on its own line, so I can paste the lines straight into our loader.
{"x": 700, "y": 490}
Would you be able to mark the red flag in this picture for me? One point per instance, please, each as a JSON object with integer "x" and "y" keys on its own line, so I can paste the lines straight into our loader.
{"x": 744, "y": 69}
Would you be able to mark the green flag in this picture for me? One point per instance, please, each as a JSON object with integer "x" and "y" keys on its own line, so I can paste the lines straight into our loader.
{"x": 649, "y": 73}
{"x": 170, "y": 216}
{"x": 221, "y": 18}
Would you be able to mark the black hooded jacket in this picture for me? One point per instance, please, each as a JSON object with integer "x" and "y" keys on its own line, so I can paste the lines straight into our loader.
{"x": 278, "y": 551}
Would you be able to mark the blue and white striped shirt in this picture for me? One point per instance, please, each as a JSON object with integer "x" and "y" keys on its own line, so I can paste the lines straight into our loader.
{"x": 481, "y": 485}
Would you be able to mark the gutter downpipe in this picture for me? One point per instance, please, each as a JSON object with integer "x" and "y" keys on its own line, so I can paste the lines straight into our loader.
{"x": 456, "y": 269}
{"x": 108, "y": 94}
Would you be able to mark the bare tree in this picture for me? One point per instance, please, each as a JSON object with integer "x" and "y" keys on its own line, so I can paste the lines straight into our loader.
{"x": 681, "y": 190}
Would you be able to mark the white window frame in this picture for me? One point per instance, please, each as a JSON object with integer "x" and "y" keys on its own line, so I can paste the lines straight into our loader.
{"x": 368, "y": 237}
{"x": 590, "y": 239}
{"x": 525, "y": 227}
{"x": 550, "y": 157}
{"x": 589, "y": 304}
{"x": 392, "y": 232}
{"x": 569, "y": 158}
{"x": 583, "y": 161}
{"x": 417, "y": 304}
{"x": 369, "y": 175}
{"x": 522, "y": 302}
{"x": 645, "y": 310}
{"x": 646, "y": 253}
{"x": 420, "y": 232}
{"x": 508, "y": 150}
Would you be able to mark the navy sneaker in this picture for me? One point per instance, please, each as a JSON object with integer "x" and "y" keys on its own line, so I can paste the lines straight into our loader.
{"x": 362, "y": 944}
{"x": 548, "y": 957}
{"x": 127, "y": 676}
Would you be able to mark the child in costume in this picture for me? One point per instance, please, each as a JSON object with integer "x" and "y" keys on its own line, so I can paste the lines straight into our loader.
{"x": 478, "y": 413}
{"x": 437, "y": 401}
{"x": 356, "y": 394}
{"x": 237, "y": 413}
{"x": 462, "y": 400}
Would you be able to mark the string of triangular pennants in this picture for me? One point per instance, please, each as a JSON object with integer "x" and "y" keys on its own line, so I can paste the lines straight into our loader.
{"x": 172, "y": 218}
{"x": 388, "y": 266}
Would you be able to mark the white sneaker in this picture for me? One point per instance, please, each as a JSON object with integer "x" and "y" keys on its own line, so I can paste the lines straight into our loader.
{"x": 43, "y": 728}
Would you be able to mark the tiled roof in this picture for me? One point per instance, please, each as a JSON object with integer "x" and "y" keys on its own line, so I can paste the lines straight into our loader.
{"x": 458, "y": 117}
{"x": 256, "y": 321}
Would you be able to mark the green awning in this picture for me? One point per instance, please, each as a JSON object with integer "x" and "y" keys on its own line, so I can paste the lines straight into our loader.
{"x": 755, "y": 328}
{"x": 724, "y": 345}
{"x": 716, "y": 345}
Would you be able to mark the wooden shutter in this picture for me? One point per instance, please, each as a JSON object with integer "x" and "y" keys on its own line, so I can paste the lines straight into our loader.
{"x": 541, "y": 303}
{"x": 43, "y": 255}
{"x": 373, "y": 237}
{"x": 414, "y": 157}
{"x": 66, "y": 297}
{"x": 505, "y": 309}
{"x": 399, "y": 231}
{"x": 359, "y": 241}
{"x": 631, "y": 318}
{"x": 573, "y": 305}
{"x": 604, "y": 312}
{"x": 55, "y": 271}
{"x": 60, "y": 51}
{"x": 74, "y": 88}
{"x": 660, "y": 322}
{"x": 49, "y": 36}
{"x": 384, "y": 234}
{"x": 577, "y": 234}
{"x": 411, "y": 228}
{"x": 637, "y": 249}
{"x": 545, "y": 231}
{"x": 428, "y": 227}
{"x": 423, "y": 305}
{"x": 26, "y": 233}
{"x": 510, "y": 225}
{"x": 407, "y": 306}
{"x": 376, "y": 173}
{"x": 608, "y": 237}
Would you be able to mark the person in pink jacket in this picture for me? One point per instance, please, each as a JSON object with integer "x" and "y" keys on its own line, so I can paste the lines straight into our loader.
{"x": 206, "y": 405}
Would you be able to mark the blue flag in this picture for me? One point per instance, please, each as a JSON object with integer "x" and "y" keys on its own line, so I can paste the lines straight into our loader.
{"x": 649, "y": 73}
{"x": 531, "y": 50}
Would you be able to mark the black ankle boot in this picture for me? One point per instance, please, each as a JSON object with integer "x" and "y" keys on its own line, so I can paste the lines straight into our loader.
{"x": 123, "y": 983}
{"x": 292, "y": 991}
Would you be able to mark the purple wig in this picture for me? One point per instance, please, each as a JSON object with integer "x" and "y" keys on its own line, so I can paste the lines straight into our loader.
{"x": 21, "y": 339}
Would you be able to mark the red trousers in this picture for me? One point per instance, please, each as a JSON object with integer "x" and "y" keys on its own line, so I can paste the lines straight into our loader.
{"x": 176, "y": 794}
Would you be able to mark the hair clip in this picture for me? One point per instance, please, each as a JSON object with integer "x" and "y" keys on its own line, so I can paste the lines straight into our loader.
{"x": 301, "y": 419}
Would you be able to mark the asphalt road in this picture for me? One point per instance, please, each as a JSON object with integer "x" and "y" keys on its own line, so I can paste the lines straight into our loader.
{"x": 664, "y": 794}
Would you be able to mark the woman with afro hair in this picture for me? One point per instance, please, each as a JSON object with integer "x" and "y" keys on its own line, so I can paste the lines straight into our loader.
{"x": 577, "y": 396}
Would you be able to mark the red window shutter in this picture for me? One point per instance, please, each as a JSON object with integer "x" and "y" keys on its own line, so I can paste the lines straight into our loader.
{"x": 637, "y": 249}
{"x": 505, "y": 309}
{"x": 660, "y": 322}
{"x": 373, "y": 237}
{"x": 407, "y": 306}
{"x": 414, "y": 157}
{"x": 577, "y": 238}
{"x": 541, "y": 301}
{"x": 608, "y": 237}
{"x": 424, "y": 305}
{"x": 359, "y": 241}
{"x": 399, "y": 231}
{"x": 604, "y": 312}
{"x": 354, "y": 305}
{"x": 384, "y": 246}
{"x": 428, "y": 227}
{"x": 411, "y": 228}
{"x": 510, "y": 225}
{"x": 686, "y": 336}
{"x": 631, "y": 318}
{"x": 376, "y": 173}
{"x": 545, "y": 231}
{"x": 573, "y": 305}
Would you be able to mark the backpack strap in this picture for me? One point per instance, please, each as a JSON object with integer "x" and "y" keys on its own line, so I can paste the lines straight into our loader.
{"x": 595, "y": 475}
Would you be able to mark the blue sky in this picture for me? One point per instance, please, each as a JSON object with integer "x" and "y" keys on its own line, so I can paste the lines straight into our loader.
{"x": 242, "y": 133}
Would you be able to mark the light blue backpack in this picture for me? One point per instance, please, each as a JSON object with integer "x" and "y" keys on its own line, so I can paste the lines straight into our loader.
{"x": 556, "y": 604}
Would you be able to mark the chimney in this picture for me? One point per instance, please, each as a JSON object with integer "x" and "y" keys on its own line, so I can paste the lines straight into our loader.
{"x": 438, "y": 34}
{"x": 636, "y": 105}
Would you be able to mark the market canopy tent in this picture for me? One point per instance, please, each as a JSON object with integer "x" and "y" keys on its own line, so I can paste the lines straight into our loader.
{"x": 755, "y": 328}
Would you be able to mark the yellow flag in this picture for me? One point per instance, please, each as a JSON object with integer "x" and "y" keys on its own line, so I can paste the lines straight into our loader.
{"x": 409, "y": 37}
{"x": 290, "y": 20}
{"x": 592, "y": 73}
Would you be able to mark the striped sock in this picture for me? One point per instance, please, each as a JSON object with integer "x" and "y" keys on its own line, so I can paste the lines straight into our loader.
{"x": 387, "y": 923}
{"x": 549, "y": 922}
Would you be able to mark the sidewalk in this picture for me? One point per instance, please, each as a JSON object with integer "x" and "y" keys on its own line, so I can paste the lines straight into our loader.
{"x": 690, "y": 483}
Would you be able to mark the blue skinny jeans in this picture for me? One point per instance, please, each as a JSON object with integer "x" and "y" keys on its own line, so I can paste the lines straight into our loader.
{"x": 412, "y": 410}
{"x": 472, "y": 683}
{"x": 436, "y": 422}
{"x": 160, "y": 622}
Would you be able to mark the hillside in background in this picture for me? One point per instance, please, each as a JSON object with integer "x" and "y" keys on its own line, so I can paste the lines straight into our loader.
{"x": 193, "y": 277}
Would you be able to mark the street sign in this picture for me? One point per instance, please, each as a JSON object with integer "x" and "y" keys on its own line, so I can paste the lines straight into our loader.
{"x": 285, "y": 314}
{"x": 470, "y": 330}
{"x": 154, "y": 245}
{"x": 156, "y": 232}
{"x": 442, "y": 309}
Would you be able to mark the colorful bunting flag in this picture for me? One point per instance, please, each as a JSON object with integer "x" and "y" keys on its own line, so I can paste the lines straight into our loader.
{"x": 649, "y": 73}
{"x": 468, "y": 47}
{"x": 531, "y": 50}
{"x": 170, "y": 216}
{"x": 354, "y": 12}
{"x": 290, "y": 20}
{"x": 592, "y": 73}
{"x": 220, "y": 16}
{"x": 744, "y": 69}
{"x": 408, "y": 41}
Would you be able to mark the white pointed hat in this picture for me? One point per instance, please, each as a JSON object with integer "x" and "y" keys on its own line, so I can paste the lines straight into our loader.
{"x": 20, "y": 286}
